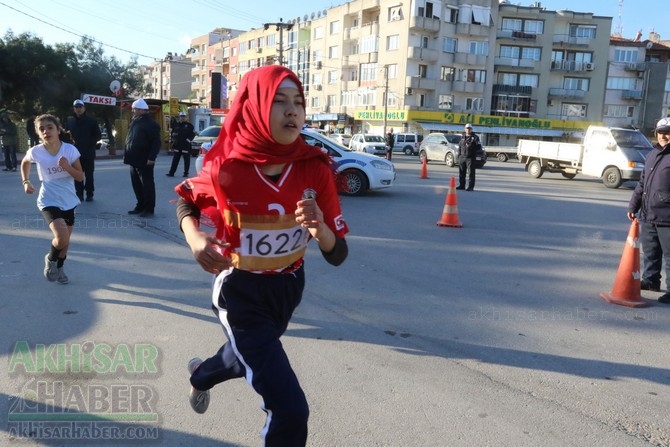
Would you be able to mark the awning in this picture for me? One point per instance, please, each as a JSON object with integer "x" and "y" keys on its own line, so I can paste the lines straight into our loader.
{"x": 441, "y": 127}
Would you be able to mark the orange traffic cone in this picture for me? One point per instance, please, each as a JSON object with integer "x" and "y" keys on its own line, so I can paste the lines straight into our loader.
{"x": 450, "y": 211}
{"x": 626, "y": 289}
{"x": 424, "y": 168}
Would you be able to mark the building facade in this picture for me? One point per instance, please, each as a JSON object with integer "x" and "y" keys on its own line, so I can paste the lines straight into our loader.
{"x": 513, "y": 71}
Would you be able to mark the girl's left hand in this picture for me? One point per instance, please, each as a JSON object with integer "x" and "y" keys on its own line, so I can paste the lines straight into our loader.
{"x": 63, "y": 163}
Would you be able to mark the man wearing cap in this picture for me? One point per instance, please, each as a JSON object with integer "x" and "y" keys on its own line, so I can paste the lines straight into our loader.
{"x": 182, "y": 135}
{"x": 143, "y": 144}
{"x": 86, "y": 134}
{"x": 467, "y": 157}
{"x": 651, "y": 198}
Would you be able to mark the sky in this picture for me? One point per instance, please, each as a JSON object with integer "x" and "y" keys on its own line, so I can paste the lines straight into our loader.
{"x": 150, "y": 28}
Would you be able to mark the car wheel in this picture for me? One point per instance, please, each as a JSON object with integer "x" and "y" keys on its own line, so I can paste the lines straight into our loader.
{"x": 355, "y": 182}
{"x": 502, "y": 157}
{"x": 535, "y": 169}
{"x": 408, "y": 150}
{"x": 612, "y": 178}
{"x": 422, "y": 156}
{"x": 568, "y": 175}
{"x": 449, "y": 160}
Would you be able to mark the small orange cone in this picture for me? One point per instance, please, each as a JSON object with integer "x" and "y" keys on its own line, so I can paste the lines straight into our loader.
{"x": 626, "y": 289}
{"x": 450, "y": 211}
{"x": 424, "y": 168}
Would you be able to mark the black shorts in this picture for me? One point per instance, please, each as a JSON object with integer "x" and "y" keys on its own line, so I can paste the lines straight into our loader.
{"x": 52, "y": 213}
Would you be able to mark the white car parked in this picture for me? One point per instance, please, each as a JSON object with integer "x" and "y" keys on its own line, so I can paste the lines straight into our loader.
{"x": 362, "y": 172}
{"x": 368, "y": 143}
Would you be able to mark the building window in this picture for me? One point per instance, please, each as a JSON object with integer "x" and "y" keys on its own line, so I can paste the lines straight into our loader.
{"x": 370, "y": 44}
{"x": 331, "y": 100}
{"x": 447, "y": 73}
{"x": 446, "y": 102}
{"x": 574, "y": 110}
{"x": 621, "y": 83}
{"x": 335, "y": 27}
{"x": 449, "y": 45}
{"x": 587, "y": 31}
{"x": 531, "y": 53}
{"x": 423, "y": 71}
{"x": 474, "y": 76}
{"x": 529, "y": 80}
{"x": 576, "y": 84}
{"x": 368, "y": 72}
{"x": 625, "y": 55}
{"x": 481, "y": 48}
{"x": 392, "y": 71}
{"x": 318, "y": 32}
{"x": 395, "y": 13}
{"x": 393, "y": 42}
{"x": 333, "y": 52}
{"x": 332, "y": 76}
{"x": 619, "y": 111}
{"x": 451, "y": 14}
{"x": 315, "y": 102}
{"x": 474, "y": 104}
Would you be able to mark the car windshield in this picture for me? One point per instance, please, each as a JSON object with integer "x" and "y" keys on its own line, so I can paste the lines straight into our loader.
{"x": 630, "y": 138}
{"x": 212, "y": 131}
{"x": 373, "y": 139}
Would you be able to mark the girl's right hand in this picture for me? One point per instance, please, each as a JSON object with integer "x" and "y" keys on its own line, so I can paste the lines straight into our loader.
{"x": 208, "y": 252}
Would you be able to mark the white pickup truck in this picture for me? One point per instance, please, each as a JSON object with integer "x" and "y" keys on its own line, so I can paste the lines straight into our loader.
{"x": 613, "y": 154}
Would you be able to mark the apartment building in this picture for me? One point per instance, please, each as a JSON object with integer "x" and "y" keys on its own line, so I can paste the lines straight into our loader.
{"x": 511, "y": 70}
{"x": 638, "y": 83}
{"x": 169, "y": 77}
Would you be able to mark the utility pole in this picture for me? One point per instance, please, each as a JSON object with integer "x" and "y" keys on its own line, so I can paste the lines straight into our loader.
{"x": 281, "y": 26}
{"x": 386, "y": 95}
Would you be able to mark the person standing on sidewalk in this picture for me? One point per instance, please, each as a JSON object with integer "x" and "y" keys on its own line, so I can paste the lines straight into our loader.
{"x": 143, "y": 144}
{"x": 86, "y": 134}
{"x": 651, "y": 198}
{"x": 182, "y": 135}
{"x": 467, "y": 158}
{"x": 9, "y": 135}
{"x": 57, "y": 164}
{"x": 269, "y": 194}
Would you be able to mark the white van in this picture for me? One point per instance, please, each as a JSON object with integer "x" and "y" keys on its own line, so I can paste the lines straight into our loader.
{"x": 407, "y": 143}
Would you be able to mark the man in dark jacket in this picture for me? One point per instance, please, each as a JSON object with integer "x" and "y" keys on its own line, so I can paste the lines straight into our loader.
{"x": 390, "y": 142}
{"x": 651, "y": 198}
{"x": 182, "y": 135}
{"x": 143, "y": 144}
{"x": 9, "y": 134}
{"x": 467, "y": 157}
{"x": 86, "y": 134}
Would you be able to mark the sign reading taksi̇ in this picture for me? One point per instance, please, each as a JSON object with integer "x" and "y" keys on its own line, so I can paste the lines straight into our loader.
{"x": 97, "y": 99}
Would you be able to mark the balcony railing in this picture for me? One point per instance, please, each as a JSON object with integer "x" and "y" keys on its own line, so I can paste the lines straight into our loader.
{"x": 512, "y": 62}
{"x": 500, "y": 89}
{"x": 424, "y": 24}
{"x": 631, "y": 94}
{"x": 420, "y": 53}
{"x": 515, "y": 35}
{"x": 568, "y": 40}
{"x": 566, "y": 93}
{"x": 571, "y": 66}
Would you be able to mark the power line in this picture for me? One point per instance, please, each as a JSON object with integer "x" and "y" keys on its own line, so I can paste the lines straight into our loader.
{"x": 76, "y": 34}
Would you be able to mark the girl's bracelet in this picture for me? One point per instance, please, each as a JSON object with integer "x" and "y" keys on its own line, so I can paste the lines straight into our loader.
{"x": 25, "y": 182}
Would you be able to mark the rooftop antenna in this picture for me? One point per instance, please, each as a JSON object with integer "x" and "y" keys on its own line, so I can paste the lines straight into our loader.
{"x": 619, "y": 27}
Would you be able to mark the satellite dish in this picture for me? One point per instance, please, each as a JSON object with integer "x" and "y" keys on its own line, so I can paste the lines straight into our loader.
{"x": 305, "y": 18}
{"x": 325, "y": 12}
{"x": 318, "y": 14}
{"x": 649, "y": 45}
{"x": 312, "y": 16}
{"x": 114, "y": 86}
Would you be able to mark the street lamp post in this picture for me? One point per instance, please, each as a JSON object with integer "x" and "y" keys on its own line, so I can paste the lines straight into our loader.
{"x": 386, "y": 95}
{"x": 281, "y": 26}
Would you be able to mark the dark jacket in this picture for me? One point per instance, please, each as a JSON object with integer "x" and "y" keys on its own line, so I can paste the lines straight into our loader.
{"x": 143, "y": 141}
{"x": 85, "y": 133}
{"x": 9, "y": 132}
{"x": 390, "y": 140}
{"x": 181, "y": 132}
{"x": 469, "y": 145}
{"x": 651, "y": 196}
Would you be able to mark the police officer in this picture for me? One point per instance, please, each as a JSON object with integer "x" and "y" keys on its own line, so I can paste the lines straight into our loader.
{"x": 467, "y": 156}
{"x": 182, "y": 135}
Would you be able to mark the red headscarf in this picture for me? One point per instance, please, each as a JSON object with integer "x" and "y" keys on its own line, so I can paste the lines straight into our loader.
{"x": 246, "y": 135}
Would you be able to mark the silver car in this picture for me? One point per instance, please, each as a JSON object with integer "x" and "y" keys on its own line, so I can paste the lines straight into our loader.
{"x": 444, "y": 147}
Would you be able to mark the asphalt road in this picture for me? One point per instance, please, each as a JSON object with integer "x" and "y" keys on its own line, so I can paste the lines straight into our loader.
{"x": 488, "y": 335}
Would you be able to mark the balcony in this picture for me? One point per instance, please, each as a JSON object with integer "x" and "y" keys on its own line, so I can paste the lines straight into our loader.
{"x": 503, "y": 89}
{"x": 511, "y": 62}
{"x": 423, "y": 54}
{"x": 467, "y": 87}
{"x": 472, "y": 29}
{"x": 515, "y": 35}
{"x": 566, "y": 93}
{"x": 636, "y": 67}
{"x": 470, "y": 59}
{"x": 571, "y": 66}
{"x": 631, "y": 94}
{"x": 418, "y": 83}
{"x": 565, "y": 40}
{"x": 428, "y": 24}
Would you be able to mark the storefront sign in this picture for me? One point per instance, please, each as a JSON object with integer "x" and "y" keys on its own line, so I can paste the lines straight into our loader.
{"x": 97, "y": 99}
